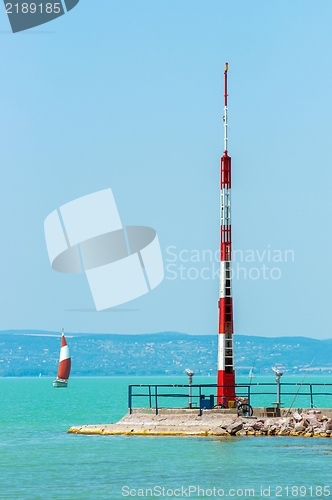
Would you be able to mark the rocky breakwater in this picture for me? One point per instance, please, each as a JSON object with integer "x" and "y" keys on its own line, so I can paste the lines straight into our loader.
{"x": 311, "y": 423}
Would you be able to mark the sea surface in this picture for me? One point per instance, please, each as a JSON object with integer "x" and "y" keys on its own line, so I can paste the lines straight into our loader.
{"x": 40, "y": 460}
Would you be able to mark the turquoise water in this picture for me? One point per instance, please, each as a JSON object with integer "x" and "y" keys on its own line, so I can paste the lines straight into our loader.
{"x": 39, "y": 460}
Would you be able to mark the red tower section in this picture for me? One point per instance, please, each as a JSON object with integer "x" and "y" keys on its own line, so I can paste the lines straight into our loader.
{"x": 226, "y": 375}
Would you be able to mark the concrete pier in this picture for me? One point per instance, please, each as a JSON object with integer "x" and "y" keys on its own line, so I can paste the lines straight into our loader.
{"x": 226, "y": 422}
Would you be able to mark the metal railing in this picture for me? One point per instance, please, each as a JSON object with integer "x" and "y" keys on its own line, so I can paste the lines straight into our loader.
{"x": 156, "y": 395}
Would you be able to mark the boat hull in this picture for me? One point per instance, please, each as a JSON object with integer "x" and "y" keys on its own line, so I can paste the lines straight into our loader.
{"x": 60, "y": 383}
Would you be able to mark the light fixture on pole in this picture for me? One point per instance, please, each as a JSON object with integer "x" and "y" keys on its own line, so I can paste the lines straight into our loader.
{"x": 190, "y": 374}
{"x": 278, "y": 376}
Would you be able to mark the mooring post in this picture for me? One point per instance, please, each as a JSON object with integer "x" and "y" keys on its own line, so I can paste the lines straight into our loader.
{"x": 200, "y": 400}
{"x": 129, "y": 400}
{"x": 311, "y": 397}
{"x": 150, "y": 400}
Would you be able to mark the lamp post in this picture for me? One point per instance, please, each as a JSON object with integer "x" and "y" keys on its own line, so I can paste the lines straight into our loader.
{"x": 190, "y": 374}
{"x": 278, "y": 376}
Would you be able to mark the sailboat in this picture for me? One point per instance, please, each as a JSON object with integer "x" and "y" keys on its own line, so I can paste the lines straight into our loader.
{"x": 64, "y": 364}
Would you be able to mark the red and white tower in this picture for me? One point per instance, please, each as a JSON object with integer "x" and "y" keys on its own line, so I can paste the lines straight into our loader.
{"x": 226, "y": 375}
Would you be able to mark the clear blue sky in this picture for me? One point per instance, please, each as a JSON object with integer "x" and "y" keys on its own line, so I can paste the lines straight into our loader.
{"x": 128, "y": 95}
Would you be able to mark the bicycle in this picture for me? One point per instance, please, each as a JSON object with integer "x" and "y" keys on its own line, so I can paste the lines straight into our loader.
{"x": 244, "y": 409}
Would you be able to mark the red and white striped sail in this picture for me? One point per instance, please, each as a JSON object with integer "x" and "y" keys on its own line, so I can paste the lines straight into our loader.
{"x": 226, "y": 375}
{"x": 65, "y": 361}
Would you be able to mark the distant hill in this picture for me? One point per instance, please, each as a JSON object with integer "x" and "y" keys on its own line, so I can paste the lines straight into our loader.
{"x": 33, "y": 352}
